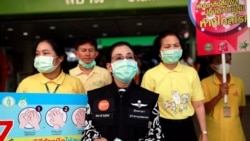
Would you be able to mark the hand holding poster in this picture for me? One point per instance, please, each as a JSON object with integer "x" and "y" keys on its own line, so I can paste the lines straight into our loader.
{"x": 221, "y": 26}
{"x": 42, "y": 117}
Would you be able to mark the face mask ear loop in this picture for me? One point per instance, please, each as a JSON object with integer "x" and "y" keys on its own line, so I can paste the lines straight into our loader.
{"x": 57, "y": 63}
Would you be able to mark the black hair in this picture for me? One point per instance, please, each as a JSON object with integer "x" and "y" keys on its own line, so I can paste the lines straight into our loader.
{"x": 211, "y": 57}
{"x": 205, "y": 69}
{"x": 59, "y": 50}
{"x": 160, "y": 36}
{"x": 113, "y": 46}
{"x": 89, "y": 40}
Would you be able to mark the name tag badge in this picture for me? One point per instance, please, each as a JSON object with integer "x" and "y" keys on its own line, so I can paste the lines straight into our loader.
{"x": 102, "y": 115}
{"x": 141, "y": 114}
{"x": 227, "y": 111}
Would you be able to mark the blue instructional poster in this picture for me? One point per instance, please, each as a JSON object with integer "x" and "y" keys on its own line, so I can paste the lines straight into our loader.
{"x": 42, "y": 117}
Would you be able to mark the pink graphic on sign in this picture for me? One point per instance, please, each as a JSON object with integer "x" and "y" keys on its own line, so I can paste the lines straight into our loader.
{"x": 221, "y": 26}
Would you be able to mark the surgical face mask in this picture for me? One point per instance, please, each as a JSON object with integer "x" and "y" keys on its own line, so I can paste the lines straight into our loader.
{"x": 171, "y": 56}
{"x": 44, "y": 64}
{"x": 124, "y": 70}
{"x": 218, "y": 68}
{"x": 87, "y": 66}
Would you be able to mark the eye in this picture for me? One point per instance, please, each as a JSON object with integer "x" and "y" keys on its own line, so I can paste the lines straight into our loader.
{"x": 46, "y": 53}
{"x": 177, "y": 45}
{"x": 118, "y": 58}
{"x": 130, "y": 57}
{"x": 83, "y": 50}
{"x": 167, "y": 46}
{"x": 91, "y": 50}
{"x": 115, "y": 58}
{"x": 37, "y": 53}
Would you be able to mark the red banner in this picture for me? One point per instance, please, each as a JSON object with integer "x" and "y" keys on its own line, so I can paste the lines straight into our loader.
{"x": 221, "y": 26}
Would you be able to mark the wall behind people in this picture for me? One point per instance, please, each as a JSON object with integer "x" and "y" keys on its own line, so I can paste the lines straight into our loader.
{"x": 24, "y": 55}
{"x": 240, "y": 67}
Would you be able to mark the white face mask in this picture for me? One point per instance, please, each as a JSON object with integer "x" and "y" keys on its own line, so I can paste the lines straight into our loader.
{"x": 44, "y": 64}
{"x": 219, "y": 68}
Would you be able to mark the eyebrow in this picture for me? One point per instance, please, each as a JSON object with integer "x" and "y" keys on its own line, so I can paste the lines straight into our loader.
{"x": 170, "y": 44}
{"x": 45, "y": 50}
{"x": 119, "y": 54}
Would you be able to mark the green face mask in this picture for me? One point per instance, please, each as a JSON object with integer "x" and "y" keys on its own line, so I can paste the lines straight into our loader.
{"x": 171, "y": 56}
{"x": 44, "y": 64}
{"x": 124, "y": 70}
{"x": 87, "y": 66}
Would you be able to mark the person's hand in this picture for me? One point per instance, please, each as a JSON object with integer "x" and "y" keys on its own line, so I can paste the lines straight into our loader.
{"x": 56, "y": 118}
{"x": 23, "y": 119}
{"x": 34, "y": 119}
{"x": 100, "y": 139}
{"x": 223, "y": 90}
{"x": 80, "y": 118}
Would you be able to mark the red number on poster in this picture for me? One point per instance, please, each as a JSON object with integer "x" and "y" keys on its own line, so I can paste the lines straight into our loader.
{"x": 8, "y": 125}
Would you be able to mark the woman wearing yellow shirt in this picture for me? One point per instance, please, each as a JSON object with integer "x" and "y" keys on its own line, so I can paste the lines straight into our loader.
{"x": 51, "y": 63}
{"x": 223, "y": 119}
{"x": 179, "y": 89}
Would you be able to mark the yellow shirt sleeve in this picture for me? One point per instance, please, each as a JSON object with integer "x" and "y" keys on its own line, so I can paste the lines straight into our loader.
{"x": 198, "y": 94}
{"x": 147, "y": 82}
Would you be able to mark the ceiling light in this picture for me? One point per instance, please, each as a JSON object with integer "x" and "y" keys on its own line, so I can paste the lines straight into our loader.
{"x": 10, "y": 29}
{"x": 139, "y": 23}
{"x": 25, "y": 33}
{"x": 184, "y": 22}
{"x": 37, "y": 37}
{"x": 104, "y": 34}
{"x": 52, "y": 27}
{"x": 70, "y": 36}
{"x": 95, "y": 25}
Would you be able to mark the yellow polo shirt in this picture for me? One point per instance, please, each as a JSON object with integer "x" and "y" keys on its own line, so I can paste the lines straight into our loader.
{"x": 220, "y": 128}
{"x": 176, "y": 88}
{"x": 37, "y": 84}
{"x": 97, "y": 78}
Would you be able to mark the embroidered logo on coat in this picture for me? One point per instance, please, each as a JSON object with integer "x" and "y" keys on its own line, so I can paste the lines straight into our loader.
{"x": 139, "y": 104}
{"x": 103, "y": 105}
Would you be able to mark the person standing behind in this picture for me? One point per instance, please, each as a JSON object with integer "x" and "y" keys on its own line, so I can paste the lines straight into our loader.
{"x": 179, "y": 89}
{"x": 122, "y": 110}
{"x": 223, "y": 119}
{"x": 50, "y": 61}
{"x": 91, "y": 75}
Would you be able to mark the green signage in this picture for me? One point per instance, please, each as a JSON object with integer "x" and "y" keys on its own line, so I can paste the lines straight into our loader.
{"x": 17, "y": 7}
{"x": 134, "y": 41}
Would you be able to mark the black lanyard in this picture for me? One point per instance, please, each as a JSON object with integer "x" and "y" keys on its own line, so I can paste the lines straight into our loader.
{"x": 47, "y": 88}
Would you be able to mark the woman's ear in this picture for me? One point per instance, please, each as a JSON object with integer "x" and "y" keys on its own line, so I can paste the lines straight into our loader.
{"x": 160, "y": 55}
{"x": 61, "y": 58}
